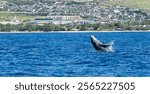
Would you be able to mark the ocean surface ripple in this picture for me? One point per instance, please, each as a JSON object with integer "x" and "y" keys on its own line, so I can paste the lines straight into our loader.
{"x": 72, "y": 55}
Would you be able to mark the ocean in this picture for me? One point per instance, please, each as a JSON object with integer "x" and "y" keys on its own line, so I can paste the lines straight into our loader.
{"x": 72, "y": 55}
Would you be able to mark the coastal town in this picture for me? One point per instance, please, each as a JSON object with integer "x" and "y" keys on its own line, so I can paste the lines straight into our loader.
{"x": 74, "y": 12}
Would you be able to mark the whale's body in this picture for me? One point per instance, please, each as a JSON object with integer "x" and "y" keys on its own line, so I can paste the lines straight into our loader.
{"x": 99, "y": 46}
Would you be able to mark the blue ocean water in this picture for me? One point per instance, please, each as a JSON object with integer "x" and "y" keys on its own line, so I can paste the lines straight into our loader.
{"x": 72, "y": 54}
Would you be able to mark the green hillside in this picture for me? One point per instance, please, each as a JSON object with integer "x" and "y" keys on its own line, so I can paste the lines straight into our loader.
{"x": 6, "y": 16}
{"x": 141, "y": 4}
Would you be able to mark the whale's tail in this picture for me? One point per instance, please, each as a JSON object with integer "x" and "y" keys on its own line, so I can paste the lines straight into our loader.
{"x": 99, "y": 46}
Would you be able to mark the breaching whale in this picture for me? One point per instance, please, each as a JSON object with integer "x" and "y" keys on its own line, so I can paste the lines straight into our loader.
{"x": 99, "y": 46}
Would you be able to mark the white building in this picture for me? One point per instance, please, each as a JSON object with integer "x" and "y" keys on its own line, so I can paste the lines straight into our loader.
{"x": 66, "y": 18}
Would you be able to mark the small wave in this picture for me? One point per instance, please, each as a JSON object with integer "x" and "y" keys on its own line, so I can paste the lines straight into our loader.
{"x": 84, "y": 62}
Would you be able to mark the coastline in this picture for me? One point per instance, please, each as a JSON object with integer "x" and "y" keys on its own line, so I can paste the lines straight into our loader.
{"x": 74, "y": 31}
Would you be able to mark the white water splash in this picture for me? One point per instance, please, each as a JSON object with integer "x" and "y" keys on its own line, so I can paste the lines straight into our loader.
{"x": 111, "y": 48}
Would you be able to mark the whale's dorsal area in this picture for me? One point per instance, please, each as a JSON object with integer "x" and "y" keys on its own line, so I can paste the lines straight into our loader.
{"x": 99, "y": 46}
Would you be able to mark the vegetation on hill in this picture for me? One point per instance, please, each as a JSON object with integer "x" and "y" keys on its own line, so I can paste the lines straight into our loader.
{"x": 77, "y": 27}
{"x": 141, "y": 4}
{"x": 120, "y": 25}
{"x": 7, "y": 16}
{"x": 29, "y": 2}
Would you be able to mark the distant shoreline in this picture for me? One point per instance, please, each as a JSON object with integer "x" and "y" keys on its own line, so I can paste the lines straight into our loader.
{"x": 72, "y": 31}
